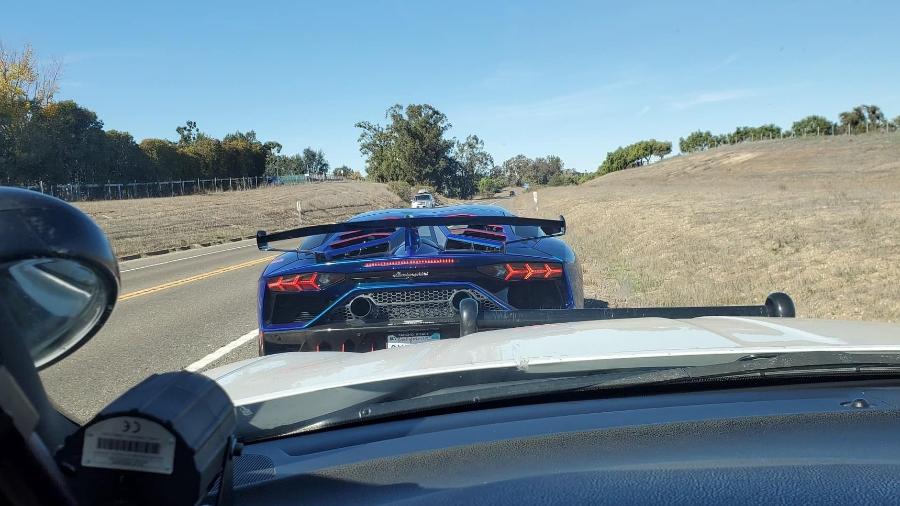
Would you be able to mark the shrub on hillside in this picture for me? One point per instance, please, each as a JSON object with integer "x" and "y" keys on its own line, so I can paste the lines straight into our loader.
{"x": 401, "y": 188}
{"x": 565, "y": 179}
{"x": 490, "y": 185}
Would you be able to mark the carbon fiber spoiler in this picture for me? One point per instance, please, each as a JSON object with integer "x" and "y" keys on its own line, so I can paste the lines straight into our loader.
{"x": 550, "y": 227}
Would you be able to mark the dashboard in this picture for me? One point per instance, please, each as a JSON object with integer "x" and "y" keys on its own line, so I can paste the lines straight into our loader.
{"x": 825, "y": 442}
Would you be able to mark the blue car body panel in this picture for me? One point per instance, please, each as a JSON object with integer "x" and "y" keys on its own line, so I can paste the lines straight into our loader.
{"x": 411, "y": 288}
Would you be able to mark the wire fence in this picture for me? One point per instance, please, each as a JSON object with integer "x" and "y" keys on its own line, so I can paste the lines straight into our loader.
{"x": 78, "y": 192}
{"x": 833, "y": 130}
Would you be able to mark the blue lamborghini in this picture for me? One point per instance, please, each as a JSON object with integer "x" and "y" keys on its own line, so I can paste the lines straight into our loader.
{"x": 397, "y": 277}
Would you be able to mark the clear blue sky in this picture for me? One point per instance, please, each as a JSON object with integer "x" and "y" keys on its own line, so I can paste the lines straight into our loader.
{"x": 575, "y": 79}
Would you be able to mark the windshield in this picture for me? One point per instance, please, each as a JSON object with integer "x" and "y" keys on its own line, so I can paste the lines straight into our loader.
{"x": 681, "y": 155}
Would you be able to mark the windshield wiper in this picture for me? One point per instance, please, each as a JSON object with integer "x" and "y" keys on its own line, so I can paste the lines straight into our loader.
{"x": 822, "y": 365}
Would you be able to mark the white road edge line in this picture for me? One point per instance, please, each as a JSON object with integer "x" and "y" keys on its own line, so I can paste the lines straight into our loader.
{"x": 187, "y": 258}
{"x": 221, "y": 352}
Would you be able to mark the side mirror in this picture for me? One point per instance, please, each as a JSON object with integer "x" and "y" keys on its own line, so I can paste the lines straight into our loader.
{"x": 59, "y": 278}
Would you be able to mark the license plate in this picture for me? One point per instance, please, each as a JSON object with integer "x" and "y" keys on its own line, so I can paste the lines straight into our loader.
{"x": 407, "y": 338}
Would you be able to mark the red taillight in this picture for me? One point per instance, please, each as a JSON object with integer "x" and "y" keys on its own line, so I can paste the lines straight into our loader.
{"x": 294, "y": 283}
{"x": 305, "y": 282}
{"x": 513, "y": 273}
{"x": 524, "y": 271}
{"x": 410, "y": 262}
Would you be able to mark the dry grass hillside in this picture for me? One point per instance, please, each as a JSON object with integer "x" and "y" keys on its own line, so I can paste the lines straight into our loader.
{"x": 145, "y": 225}
{"x": 816, "y": 218}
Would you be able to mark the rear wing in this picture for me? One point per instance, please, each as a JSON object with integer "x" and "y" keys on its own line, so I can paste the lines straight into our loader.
{"x": 777, "y": 304}
{"x": 550, "y": 227}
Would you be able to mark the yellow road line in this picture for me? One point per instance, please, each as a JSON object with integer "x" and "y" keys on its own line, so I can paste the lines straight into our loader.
{"x": 198, "y": 277}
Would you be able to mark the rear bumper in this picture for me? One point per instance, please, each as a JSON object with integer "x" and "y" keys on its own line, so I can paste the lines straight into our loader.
{"x": 349, "y": 337}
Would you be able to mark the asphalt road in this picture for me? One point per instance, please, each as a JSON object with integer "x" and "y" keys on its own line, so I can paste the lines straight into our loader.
{"x": 174, "y": 311}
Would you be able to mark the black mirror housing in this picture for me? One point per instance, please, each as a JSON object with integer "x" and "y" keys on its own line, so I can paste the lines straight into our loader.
{"x": 37, "y": 227}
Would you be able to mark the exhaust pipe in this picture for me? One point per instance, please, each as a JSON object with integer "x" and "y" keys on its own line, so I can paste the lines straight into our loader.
{"x": 363, "y": 307}
{"x": 459, "y": 296}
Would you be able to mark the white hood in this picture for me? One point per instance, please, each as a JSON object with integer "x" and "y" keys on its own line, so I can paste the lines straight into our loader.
{"x": 645, "y": 342}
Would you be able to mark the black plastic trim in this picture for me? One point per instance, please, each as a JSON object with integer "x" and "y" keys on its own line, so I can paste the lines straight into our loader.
{"x": 777, "y": 304}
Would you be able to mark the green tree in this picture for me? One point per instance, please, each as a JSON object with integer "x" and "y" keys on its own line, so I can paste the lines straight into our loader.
{"x": 641, "y": 152}
{"x": 490, "y": 185}
{"x": 187, "y": 134}
{"x": 565, "y": 178}
{"x": 516, "y": 168}
{"x": 206, "y": 157}
{"x": 243, "y": 155}
{"x": 343, "y": 171}
{"x": 284, "y": 165}
{"x": 633, "y": 155}
{"x": 64, "y": 144}
{"x": 874, "y": 115}
{"x": 697, "y": 141}
{"x": 413, "y": 148}
{"x": 812, "y": 125}
{"x": 852, "y": 119}
{"x": 123, "y": 160}
{"x": 614, "y": 161}
{"x": 542, "y": 169}
{"x": 472, "y": 156}
{"x": 661, "y": 148}
{"x": 470, "y": 162}
{"x": 314, "y": 162}
{"x": 165, "y": 162}
{"x": 497, "y": 172}
{"x": 746, "y": 134}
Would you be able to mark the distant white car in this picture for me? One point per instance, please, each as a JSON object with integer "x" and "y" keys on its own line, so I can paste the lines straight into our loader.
{"x": 422, "y": 200}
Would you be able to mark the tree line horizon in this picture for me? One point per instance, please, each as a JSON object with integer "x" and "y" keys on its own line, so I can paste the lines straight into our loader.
{"x": 61, "y": 142}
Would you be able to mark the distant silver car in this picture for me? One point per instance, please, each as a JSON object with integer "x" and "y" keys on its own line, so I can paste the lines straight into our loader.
{"x": 422, "y": 200}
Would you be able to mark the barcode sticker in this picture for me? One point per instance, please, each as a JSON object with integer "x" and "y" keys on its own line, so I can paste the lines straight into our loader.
{"x": 129, "y": 443}
{"x": 125, "y": 445}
